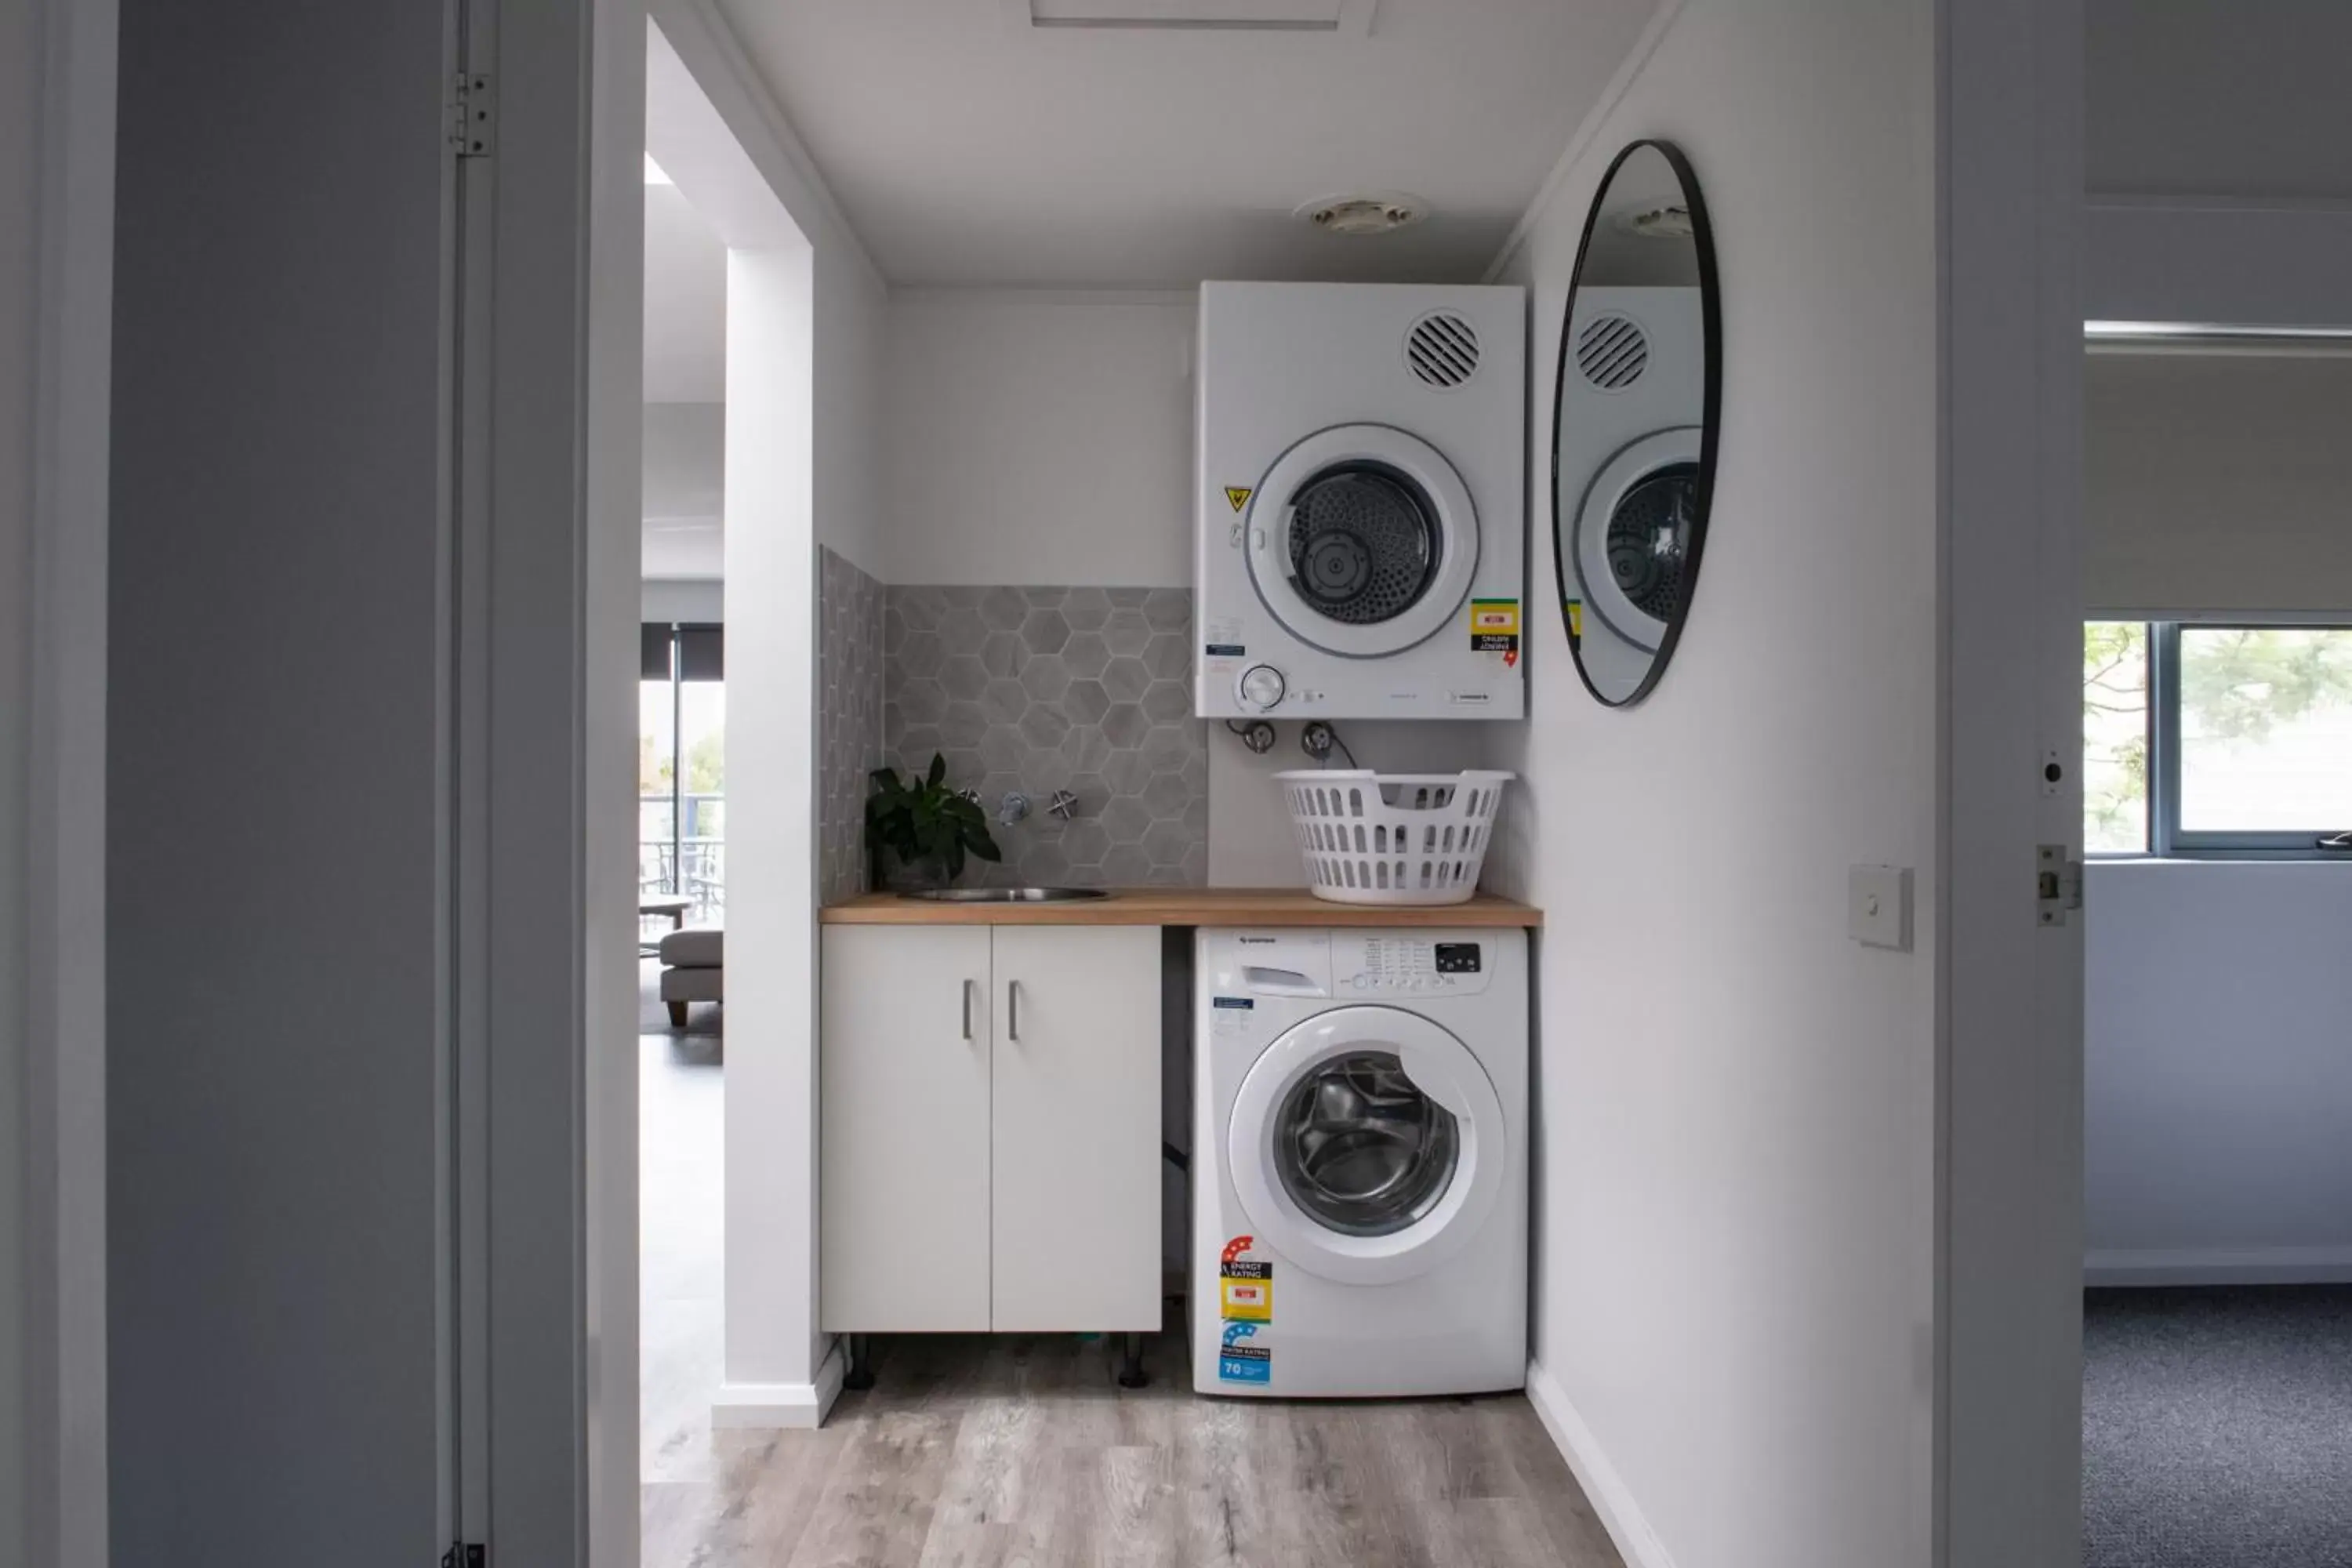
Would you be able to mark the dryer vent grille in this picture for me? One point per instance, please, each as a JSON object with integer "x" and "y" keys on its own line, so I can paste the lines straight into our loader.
{"x": 1443, "y": 349}
{"x": 1613, "y": 352}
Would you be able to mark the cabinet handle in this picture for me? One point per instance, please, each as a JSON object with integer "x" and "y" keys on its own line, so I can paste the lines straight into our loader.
{"x": 969, "y": 986}
{"x": 1012, "y": 1010}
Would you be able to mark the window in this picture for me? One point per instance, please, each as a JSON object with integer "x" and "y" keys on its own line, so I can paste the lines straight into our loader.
{"x": 682, "y": 767}
{"x": 2216, "y": 739}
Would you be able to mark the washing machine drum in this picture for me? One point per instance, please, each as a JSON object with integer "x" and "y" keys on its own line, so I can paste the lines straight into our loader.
{"x": 1362, "y": 541}
{"x": 1634, "y": 532}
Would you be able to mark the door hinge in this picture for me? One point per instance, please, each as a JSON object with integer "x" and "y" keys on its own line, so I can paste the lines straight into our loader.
{"x": 465, "y": 1554}
{"x": 473, "y": 115}
{"x": 2057, "y": 885}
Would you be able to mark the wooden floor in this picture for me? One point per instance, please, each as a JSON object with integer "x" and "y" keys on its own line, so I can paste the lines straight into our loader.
{"x": 1024, "y": 1451}
{"x": 1021, "y": 1449}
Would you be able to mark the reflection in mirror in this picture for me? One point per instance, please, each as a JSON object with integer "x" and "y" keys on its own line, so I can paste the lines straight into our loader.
{"x": 1633, "y": 439}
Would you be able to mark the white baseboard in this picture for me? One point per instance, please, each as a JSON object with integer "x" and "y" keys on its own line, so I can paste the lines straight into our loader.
{"x": 1637, "y": 1543}
{"x": 2215, "y": 1265}
{"x": 798, "y": 1406}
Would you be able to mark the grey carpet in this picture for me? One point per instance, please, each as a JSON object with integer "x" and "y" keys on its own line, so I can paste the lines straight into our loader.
{"x": 2217, "y": 1427}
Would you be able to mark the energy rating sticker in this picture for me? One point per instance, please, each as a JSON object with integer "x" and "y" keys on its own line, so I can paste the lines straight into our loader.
{"x": 1238, "y": 1360}
{"x": 1238, "y": 495}
{"x": 1575, "y": 608}
{"x": 1244, "y": 1284}
{"x": 1494, "y": 626}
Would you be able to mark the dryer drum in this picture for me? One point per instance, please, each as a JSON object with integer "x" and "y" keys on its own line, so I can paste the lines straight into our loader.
{"x": 1364, "y": 542}
{"x": 1360, "y": 1149}
{"x": 1648, "y": 531}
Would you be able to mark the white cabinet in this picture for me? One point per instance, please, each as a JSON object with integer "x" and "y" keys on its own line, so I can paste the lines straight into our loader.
{"x": 989, "y": 1121}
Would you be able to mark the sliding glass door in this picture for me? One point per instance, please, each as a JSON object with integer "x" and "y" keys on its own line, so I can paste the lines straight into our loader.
{"x": 682, "y": 768}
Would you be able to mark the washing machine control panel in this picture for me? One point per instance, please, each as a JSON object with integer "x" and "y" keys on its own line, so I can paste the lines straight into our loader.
{"x": 1404, "y": 966}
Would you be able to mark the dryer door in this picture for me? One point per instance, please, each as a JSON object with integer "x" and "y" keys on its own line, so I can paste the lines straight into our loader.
{"x": 1362, "y": 541}
{"x": 1367, "y": 1145}
{"x": 1633, "y": 532}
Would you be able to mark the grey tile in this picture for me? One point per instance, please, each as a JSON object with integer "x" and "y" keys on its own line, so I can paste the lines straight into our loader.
{"x": 1086, "y": 842}
{"x": 1044, "y": 631}
{"x": 1167, "y": 747}
{"x": 1126, "y": 632}
{"x": 1046, "y": 770}
{"x": 1166, "y": 701}
{"x": 963, "y": 678}
{"x": 1044, "y": 865}
{"x": 923, "y": 701}
{"x": 917, "y": 744}
{"x": 1169, "y": 609}
{"x": 1127, "y": 680}
{"x": 1003, "y": 654}
{"x": 922, "y": 607}
{"x": 1005, "y": 701}
{"x": 1086, "y": 748}
{"x": 964, "y": 767}
{"x": 1168, "y": 657}
{"x": 1195, "y": 864}
{"x": 1086, "y": 877}
{"x": 964, "y": 725}
{"x": 1087, "y": 609}
{"x": 1127, "y": 865}
{"x": 961, "y": 631}
{"x": 894, "y": 630}
{"x": 1167, "y": 877}
{"x": 1126, "y": 726}
{"x": 1126, "y": 819}
{"x": 922, "y": 655}
{"x": 1044, "y": 728}
{"x": 1196, "y": 773}
{"x": 962, "y": 595}
{"x": 1129, "y": 598}
{"x": 1004, "y": 609}
{"x": 1124, "y": 773}
{"x": 1046, "y": 679}
{"x": 1092, "y": 793}
{"x": 1086, "y": 653}
{"x": 1085, "y": 703}
{"x": 1003, "y": 749}
{"x": 1166, "y": 797}
{"x": 1196, "y": 812}
{"x": 1166, "y": 843}
{"x": 894, "y": 723}
{"x": 1045, "y": 598}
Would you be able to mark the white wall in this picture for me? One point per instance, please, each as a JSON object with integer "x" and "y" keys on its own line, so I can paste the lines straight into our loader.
{"x": 702, "y": 600}
{"x": 2216, "y": 482}
{"x": 685, "y": 489}
{"x": 20, "y": 101}
{"x": 1736, "y": 1117}
{"x": 2218, "y": 1071}
{"x": 1040, "y": 437}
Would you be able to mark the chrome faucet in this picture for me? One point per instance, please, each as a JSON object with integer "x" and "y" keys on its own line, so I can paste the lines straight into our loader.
{"x": 1015, "y": 807}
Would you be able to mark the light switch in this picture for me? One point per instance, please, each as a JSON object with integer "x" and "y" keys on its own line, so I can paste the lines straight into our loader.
{"x": 1878, "y": 906}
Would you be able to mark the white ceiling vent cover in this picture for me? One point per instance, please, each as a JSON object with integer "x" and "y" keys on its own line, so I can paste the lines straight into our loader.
{"x": 1341, "y": 19}
{"x": 1443, "y": 349}
{"x": 1613, "y": 352}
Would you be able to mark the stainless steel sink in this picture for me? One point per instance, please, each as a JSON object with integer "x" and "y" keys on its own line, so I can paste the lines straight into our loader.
{"x": 1008, "y": 895}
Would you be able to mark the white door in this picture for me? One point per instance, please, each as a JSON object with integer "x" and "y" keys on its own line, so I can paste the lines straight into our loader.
{"x": 1362, "y": 541}
{"x": 1076, "y": 1235}
{"x": 903, "y": 1145}
{"x": 1368, "y": 1144}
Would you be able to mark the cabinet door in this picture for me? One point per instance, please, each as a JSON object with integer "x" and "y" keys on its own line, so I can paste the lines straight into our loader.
{"x": 1077, "y": 1202}
{"x": 903, "y": 1149}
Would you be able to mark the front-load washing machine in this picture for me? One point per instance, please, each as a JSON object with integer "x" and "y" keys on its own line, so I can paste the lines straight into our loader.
{"x": 1630, "y": 421}
{"x": 1360, "y": 1177}
{"x": 1361, "y": 524}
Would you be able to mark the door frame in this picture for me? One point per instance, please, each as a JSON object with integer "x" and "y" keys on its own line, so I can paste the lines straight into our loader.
{"x": 2006, "y": 1358}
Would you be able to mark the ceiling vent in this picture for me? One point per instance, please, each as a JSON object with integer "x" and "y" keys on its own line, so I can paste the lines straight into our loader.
{"x": 1338, "y": 18}
{"x": 1443, "y": 349}
{"x": 1613, "y": 352}
{"x": 1368, "y": 214}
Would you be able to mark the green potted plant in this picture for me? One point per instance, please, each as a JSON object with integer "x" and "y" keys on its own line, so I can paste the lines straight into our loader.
{"x": 925, "y": 826}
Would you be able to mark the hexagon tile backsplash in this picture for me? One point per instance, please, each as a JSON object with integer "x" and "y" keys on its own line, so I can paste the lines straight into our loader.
{"x": 1036, "y": 689}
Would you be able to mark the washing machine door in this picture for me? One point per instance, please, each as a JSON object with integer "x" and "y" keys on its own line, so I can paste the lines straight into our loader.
{"x": 1362, "y": 541}
{"x": 1367, "y": 1145}
{"x": 1635, "y": 529}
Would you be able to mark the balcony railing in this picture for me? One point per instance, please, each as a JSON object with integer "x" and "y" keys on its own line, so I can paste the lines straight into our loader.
{"x": 692, "y": 862}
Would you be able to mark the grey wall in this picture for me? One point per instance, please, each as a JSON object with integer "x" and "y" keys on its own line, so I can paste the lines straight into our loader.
{"x": 1036, "y": 689}
{"x": 2218, "y": 1071}
{"x": 273, "y": 985}
{"x": 19, "y": 127}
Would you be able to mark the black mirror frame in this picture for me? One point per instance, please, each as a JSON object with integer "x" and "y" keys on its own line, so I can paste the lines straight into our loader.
{"x": 1710, "y": 410}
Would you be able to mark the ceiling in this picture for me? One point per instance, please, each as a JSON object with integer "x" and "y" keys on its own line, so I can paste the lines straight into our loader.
{"x": 685, "y": 302}
{"x": 969, "y": 147}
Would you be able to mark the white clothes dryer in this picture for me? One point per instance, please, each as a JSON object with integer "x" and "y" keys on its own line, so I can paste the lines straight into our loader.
{"x": 1362, "y": 471}
{"x": 1359, "y": 1172}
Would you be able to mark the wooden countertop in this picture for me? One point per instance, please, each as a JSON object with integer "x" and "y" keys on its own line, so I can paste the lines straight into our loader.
{"x": 1182, "y": 907}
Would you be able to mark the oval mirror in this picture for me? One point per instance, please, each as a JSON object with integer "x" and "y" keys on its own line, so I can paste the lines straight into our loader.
{"x": 1633, "y": 418}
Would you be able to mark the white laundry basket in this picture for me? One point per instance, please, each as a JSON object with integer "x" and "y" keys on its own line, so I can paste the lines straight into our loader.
{"x": 1394, "y": 839}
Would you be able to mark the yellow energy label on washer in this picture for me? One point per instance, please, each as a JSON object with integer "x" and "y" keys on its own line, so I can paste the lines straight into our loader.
{"x": 1494, "y": 626}
{"x": 1247, "y": 1300}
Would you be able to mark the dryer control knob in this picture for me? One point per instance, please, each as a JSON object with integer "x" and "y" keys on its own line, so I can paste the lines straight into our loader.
{"x": 1262, "y": 686}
